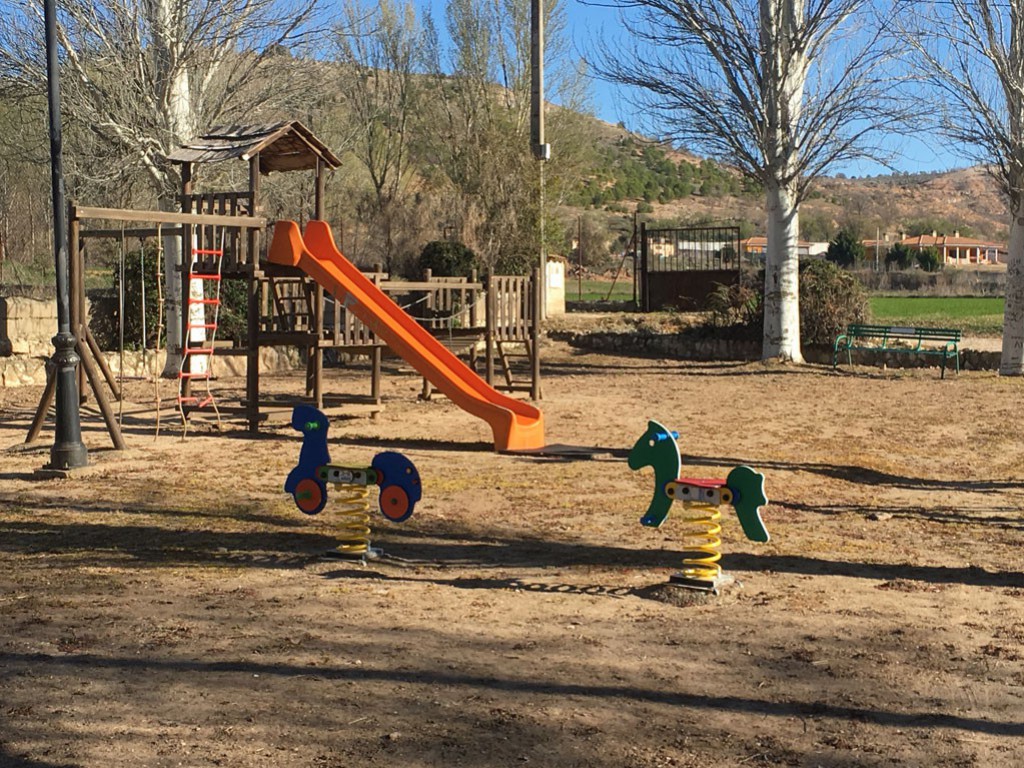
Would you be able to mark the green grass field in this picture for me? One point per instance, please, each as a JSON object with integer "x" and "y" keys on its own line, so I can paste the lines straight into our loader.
{"x": 982, "y": 316}
{"x": 972, "y": 315}
{"x": 597, "y": 290}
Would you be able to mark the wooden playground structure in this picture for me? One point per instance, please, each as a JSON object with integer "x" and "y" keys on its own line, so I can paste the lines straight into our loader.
{"x": 223, "y": 238}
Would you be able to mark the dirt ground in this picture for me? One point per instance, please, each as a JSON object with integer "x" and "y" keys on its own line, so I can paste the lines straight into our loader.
{"x": 168, "y": 606}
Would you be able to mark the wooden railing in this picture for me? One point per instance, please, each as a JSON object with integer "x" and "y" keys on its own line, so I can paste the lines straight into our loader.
{"x": 440, "y": 304}
{"x": 512, "y": 307}
{"x": 236, "y": 246}
{"x": 446, "y": 305}
{"x": 230, "y": 203}
{"x": 466, "y": 315}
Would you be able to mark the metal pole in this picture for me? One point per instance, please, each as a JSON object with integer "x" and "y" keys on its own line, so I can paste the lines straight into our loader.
{"x": 636, "y": 272}
{"x": 541, "y": 150}
{"x": 68, "y": 450}
{"x": 535, "y": 337}
{"x": 537, "y": 78}
{"x": 579, "y": 252}
{"x": 645, "y": 277}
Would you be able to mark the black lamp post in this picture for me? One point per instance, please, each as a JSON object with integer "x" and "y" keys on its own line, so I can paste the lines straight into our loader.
{"x": 541, "y": 149}
{"x": 68, "y": 449}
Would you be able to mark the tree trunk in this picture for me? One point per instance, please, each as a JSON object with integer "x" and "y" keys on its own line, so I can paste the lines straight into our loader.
{"x": 173, "y": 81}
{"x": 782, "y": 93}
{"x": 1012, "y": 361}
{"x": 781, "y": 277}
{"x": 172, "y": 302}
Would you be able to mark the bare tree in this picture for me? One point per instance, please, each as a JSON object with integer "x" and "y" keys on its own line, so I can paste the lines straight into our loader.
{"x": 380, "y": 48}
{"x": 781, "y": 89}
{"x": 481, "y": 98}
{"x": 24, "y": 213}
{"x": 968, "y": 62}
{"x": 140, "y": 76}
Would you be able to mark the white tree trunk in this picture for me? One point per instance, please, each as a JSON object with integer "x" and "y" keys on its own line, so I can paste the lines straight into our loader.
{"x": 782, "y": 93}
{"x": 781, "y": 277}
{"x": 172, "y": 303}
{"x": 180, "y": 117}
{"x": 1012, "y": 361}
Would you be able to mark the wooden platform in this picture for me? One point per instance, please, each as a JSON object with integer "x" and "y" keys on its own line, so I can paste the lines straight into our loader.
{"x": 280, "y": 412}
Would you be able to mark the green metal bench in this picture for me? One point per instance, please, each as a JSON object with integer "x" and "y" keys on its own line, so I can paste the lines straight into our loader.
{"x": 943, "y": 342}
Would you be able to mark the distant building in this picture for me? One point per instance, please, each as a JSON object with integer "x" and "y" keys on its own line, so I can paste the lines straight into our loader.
{"x": 954, "y": 249}
{"x": 668, "y": 254}
{"x": 756, "y": 248}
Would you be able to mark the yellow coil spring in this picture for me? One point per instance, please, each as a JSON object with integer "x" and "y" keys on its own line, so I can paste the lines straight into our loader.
{"x": 353, "y": 506}
{"x": 701, "y": 542}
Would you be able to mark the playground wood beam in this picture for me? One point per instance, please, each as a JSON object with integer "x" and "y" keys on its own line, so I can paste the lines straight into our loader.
{"x": 170, "y": 217}
{"x": 101, "y": 361}
{"x": 77, "y": 264}
{"x": 87, "y": 365}
{"x": 113, "y": 428}
{"x": 130, "y": 232}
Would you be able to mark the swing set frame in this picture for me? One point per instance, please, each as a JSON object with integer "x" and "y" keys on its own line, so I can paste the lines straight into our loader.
{"x": 93, "y": 366}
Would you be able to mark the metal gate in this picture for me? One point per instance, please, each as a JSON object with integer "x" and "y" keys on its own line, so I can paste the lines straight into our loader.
{"x": 680, "y": 268}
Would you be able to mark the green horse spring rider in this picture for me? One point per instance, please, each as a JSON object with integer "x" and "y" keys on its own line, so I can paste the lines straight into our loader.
{"x": 743, "y": 489}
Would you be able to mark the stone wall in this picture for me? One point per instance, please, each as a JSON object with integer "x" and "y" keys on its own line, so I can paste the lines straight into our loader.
{"x": 26, "y": 370}
{"x": 683, "y": 346}
{"x": 676, "y": 346}
{"x": 970, "y": 359}
{"x": 27, "y": 326}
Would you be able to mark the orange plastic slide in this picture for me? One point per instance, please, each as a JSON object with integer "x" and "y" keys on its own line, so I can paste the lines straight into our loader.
{"x": 517, "y": 425}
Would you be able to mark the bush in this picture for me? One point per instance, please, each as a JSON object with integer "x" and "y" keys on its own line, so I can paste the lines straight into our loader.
{"x": 592, "y": 248}
{"x": 445, "y": 258}
{"x": 830, "y": 299}
{"x": 737, "y": 307}
{"x": 105, "y": 325}
{"x": 232, "y": 320}
{"x": 929, "y": 259}
{"x": 517, "y": 259}
{"x": 899, "y": 256}
{"x": 846, "y": 250}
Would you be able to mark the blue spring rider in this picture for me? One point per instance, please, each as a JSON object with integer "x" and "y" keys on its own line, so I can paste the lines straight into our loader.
{"x": 742, "y": 489}
{"x": 396, "y": 476}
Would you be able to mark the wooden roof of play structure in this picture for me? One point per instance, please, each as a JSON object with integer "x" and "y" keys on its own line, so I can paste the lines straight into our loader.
{"x": 284, "y": 146}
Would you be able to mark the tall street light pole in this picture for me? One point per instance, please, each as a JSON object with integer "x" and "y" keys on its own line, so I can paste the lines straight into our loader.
{"x": 541, "y": 150}
{"x": 68, "y": 450}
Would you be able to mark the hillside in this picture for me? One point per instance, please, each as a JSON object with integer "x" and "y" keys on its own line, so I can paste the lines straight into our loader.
{"x": 968, "y": 200}
{"x": 637, "y": 173}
